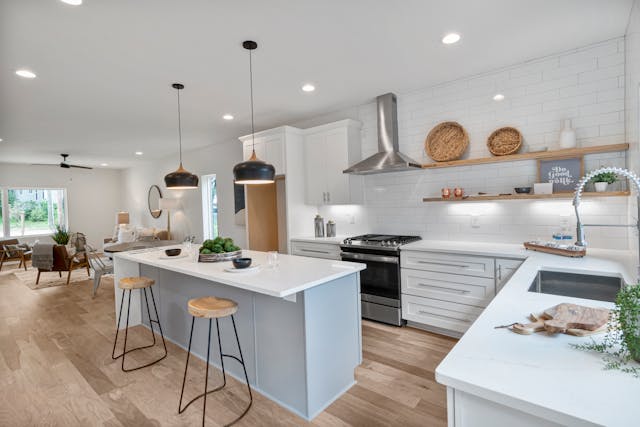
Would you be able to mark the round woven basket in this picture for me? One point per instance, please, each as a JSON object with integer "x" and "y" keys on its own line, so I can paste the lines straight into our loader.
{"x": 447, "y": 141}
{"x": 504, "y": 141}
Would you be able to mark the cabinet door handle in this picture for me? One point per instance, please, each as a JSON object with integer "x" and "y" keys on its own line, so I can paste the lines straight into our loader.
{"x": 499, "y": 272}
{"x": 428, "y": 313}
{"x": 455, "y": 291}
{"x": 443, "y": 263}
{"x": 328, "y": 197}
{"x": 314, "y": 251}
{"x": 324, "y": 197}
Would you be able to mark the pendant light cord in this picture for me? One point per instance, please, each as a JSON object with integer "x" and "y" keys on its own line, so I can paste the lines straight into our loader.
{"x": 253, "y": 132}
{"x": 179, "y": 128}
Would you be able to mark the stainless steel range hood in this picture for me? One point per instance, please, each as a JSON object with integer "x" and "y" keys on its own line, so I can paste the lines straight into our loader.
{"x": 388, "y": 158}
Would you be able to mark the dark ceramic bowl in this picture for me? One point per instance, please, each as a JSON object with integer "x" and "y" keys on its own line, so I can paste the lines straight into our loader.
{"x": 241, "y": 262}
{"x": 523, "y": 190}
{"x": 173, "y": 252}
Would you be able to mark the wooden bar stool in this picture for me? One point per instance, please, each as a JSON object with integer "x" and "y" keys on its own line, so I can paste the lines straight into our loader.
{"x": 214, "y": 308}
{"x": 129, "y": 284}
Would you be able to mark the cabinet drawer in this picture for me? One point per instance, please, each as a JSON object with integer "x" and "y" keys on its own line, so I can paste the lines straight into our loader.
{"x": 458, "y": 288}
{"x": 441, "y": 314}
{"x": 448, "y": 263}
{"x": 316, "y": 250}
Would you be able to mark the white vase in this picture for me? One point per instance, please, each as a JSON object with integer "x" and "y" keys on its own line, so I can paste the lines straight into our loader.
{"x": 601, "y": 187}
{"x": 567, "y": 136}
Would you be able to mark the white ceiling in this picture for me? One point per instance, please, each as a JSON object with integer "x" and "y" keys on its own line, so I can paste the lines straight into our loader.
{"x": 104, "y": 68}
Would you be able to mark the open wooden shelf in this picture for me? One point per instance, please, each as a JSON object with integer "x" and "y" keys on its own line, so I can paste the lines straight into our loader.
{"x": 488, "y": 197}
{"x": 530, "y": 156}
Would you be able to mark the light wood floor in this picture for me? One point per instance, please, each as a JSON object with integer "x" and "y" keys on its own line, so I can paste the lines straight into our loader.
{"x": 56, "y": 370}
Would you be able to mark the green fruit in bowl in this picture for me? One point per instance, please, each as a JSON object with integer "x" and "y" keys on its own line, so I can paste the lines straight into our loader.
{"x": 205, "y": 251}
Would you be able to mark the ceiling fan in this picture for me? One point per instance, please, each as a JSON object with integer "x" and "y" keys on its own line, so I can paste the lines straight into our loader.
{"x": 63, "y": 164}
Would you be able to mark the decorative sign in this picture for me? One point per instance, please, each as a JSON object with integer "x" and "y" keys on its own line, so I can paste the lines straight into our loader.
{"x": 563, "y": 172}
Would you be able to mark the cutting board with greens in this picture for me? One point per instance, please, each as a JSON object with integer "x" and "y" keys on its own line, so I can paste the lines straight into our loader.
{"x": 566, "y": 318}
{"x": 219, "y": 249}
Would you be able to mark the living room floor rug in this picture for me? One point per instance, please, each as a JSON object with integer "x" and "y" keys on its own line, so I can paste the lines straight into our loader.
{"x": 49, "y": 279}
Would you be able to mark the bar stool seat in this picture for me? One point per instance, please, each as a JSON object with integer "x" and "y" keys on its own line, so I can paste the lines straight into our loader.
{"x": 140, "y": 282}
{"x": 212, "y": 307}
{"x": 129, "y": 284}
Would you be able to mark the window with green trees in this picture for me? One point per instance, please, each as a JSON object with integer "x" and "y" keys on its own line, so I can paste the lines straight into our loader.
{"x": 33, "y": 211}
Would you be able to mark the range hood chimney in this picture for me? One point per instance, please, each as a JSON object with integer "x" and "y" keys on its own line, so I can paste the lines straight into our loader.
{"x": 388, "y": 158}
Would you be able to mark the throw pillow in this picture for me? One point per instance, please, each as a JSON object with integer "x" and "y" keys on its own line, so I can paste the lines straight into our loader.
{"x": 12, "y": 251}
{"x": 24, "y": 246}
{"x": 126, "y": 235}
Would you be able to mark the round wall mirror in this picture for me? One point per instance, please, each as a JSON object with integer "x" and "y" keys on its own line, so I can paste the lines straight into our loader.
{"x": 153, "y": 199}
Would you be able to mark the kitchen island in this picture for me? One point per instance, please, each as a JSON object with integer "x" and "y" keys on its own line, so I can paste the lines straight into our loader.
{"x": 299, "y": 323}
{"x": 495, "y": 377}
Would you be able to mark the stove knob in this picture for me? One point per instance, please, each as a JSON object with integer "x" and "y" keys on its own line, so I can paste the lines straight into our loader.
{"x": 394, "y": 243}
{"x": 385, "y": 243}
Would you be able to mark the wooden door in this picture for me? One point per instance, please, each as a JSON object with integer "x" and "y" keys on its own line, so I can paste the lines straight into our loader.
{"x": 262, "y": 217}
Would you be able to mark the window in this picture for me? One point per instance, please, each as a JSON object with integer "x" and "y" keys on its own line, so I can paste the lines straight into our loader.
{"x": 210, "y": 207}
{"x": 32, "y": 211}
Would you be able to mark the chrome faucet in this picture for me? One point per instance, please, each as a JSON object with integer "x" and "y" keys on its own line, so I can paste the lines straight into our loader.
{"x": 576, "y": 202}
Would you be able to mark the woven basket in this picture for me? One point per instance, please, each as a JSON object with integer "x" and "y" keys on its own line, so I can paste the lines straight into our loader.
{"x": 226, "y": 256}
{"x": 504, "y": 141}
{"x": 447, "y": 141}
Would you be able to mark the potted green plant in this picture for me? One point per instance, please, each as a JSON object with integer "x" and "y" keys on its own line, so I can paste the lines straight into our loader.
{"x": 602, "y": 180}
{"x": 621, "y": 344}
{"x": 61, "y": 236}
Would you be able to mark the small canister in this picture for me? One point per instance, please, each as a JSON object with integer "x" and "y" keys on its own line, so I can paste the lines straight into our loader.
{"x": 318, "y": 223}
{"x": 331, "y": 228}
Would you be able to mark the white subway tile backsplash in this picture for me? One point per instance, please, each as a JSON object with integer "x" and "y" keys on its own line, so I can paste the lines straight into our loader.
{"x": 585, "y": 85}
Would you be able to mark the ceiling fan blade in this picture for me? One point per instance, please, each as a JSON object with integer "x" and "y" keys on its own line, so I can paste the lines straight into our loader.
{"x": 45, "y": 164}
{"x": 80, "y": 167}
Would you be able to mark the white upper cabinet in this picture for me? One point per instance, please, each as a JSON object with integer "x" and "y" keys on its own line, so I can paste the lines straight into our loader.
{"x": 269, "y": 146}
{"x": 329, "y": 149}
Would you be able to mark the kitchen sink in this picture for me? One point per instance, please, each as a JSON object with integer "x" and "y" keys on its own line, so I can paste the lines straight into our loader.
{"x": 601, "y": 288}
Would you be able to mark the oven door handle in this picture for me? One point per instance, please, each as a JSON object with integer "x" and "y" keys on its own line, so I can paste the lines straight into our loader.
{"x": 346, "y": 256}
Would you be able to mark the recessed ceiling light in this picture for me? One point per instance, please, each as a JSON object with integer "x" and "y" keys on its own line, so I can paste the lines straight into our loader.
{"x": 139, "y": 153}
{"x": 308, "y": 87}
{"x": 27, "y": 74}
{"x": 104, "y": 164}
{"x": 227, "y": 117}
{"x": 451, "y": 38}
{"x": 72, "y": 2}
{"x": 498, "y": 97}
{"x": 0, "y": 139}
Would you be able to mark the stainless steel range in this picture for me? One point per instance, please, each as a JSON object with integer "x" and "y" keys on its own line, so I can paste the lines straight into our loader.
{"x": 380, "y": 282}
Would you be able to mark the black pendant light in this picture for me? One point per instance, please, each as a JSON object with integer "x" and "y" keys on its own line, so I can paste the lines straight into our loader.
{"x": 254, "y": 170}
{"x": 181, "y": 179}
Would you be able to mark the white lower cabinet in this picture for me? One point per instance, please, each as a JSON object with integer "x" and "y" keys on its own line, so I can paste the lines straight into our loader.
{"x": 447, "y": 292}
{"x": 440, "y": 314}
{"x": 315, "y": 249}
{"x": 504, "y": 270}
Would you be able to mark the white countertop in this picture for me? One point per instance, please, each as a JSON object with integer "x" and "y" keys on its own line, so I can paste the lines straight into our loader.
{"x": 537, "y": 373}
{"x": 293, "y": 274}
{"x": 505, "y": 250}
{"x": 335, "y": 240}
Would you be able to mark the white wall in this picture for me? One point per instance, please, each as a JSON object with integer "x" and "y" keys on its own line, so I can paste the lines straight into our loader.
{"x": 632, "y": 100}
{"x": 585, "y": 85}
{"x": 94, "y": 196}
{"x": 217, "y": 159}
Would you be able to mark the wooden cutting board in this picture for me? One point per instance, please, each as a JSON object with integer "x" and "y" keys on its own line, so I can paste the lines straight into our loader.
{"x": 566, "y": 318}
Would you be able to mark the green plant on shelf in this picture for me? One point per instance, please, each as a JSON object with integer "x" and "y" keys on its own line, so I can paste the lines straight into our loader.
{"x": 61, "y": 236}
{"x": 608, "y": 177}
{"x": 621, "y": 345}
